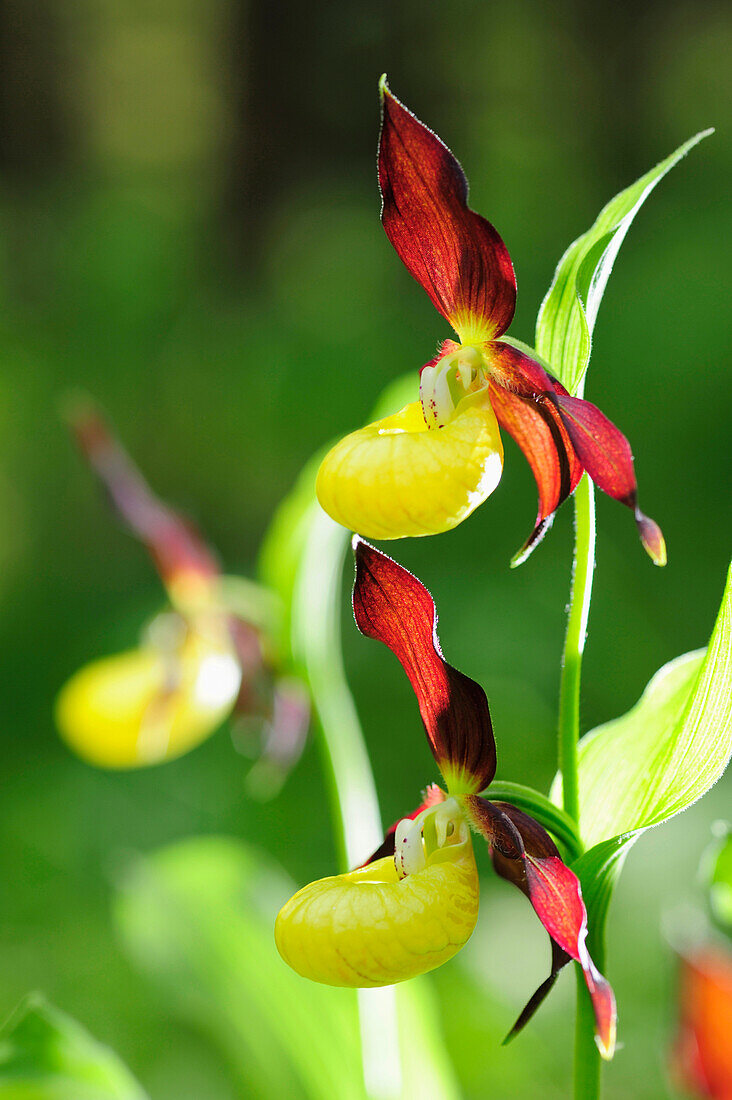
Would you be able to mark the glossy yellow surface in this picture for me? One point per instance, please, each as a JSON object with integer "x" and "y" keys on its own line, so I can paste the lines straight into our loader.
{"x": 148, "y": 705}
{"x": 396, "y": 478}
{"x": 369, "y": 928}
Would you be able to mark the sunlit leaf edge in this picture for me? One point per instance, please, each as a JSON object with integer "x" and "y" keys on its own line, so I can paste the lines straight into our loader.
{"x": 569, "y": 310}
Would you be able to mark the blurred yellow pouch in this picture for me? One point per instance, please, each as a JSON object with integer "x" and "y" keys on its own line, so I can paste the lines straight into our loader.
{"x": 150, "y": 704}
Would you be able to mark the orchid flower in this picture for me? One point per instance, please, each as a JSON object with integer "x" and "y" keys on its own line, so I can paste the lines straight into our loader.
{"x": 426, "y": 468}
{"x": 414, "y": 903}
{"x": 197, "y": 663}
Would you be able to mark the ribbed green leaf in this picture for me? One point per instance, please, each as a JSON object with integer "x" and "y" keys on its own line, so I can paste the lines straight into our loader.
{"x": 669, "y": 749}
{"x": 45, "y": 1055}
{"x": 639, "y": 770}
{"x": 568, "y": 313}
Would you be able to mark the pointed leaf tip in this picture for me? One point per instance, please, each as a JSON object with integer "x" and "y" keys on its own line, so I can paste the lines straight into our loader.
{"x": 568, "y": 313}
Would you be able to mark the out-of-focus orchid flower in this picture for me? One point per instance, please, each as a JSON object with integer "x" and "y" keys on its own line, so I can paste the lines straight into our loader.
{"x": 414, "y": 903}
{"x": 197, "y": 663}
{"x": 426, "y": 468}
{"x": 702, "y": 1057}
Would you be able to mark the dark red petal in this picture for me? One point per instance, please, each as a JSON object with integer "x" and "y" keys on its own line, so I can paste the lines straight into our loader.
{"x": 538, "y": 430}
{"x": 175, "y": 545}
{"x": 560, "y": 959}
{"x": 522, "y": 396}
{"x": 390, "y": 604}
{"x": 515, "y": 370}
{"x": 511, "y": 867}
{"x": 456, "y": 255}
{"x": 432, "y": 796}
{"x": 605, "y": 453}
{"x": 556, "y": 895}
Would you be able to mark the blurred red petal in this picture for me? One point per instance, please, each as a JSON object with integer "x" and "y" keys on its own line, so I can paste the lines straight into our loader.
{"x": 703, "y": 1052}
{"x": 391, "y": 605}
{"x": 173, "y": 542}
{"x": 455, "y": 254}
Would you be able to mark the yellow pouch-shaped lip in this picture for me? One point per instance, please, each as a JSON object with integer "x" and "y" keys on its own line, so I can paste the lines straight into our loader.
{"x": 369, "y": 928}
{"x": 145, "y": 706}
{"x": 396, "y": 478}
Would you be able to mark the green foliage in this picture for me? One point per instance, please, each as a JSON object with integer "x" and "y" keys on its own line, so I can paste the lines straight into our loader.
{"x": 282, "y": 549}
{"x": 568, "y": 313}
{"x": 655, "y": 761}
{"x": 45, "y": 1055}
{"x": 666, "y": 752}
{"x": 197, "y": 918}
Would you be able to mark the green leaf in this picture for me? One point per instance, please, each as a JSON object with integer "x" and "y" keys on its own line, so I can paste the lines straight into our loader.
{"x": 198, "y": 916}
{"x": 45, "y": 1055}
{"x": 279, "y": 558}
{"x": 669, "y": 749}
{"x": 639, "y": 770}
{"x": 568, "y": 313}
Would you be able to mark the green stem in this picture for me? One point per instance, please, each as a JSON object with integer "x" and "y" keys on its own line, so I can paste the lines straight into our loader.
{"x": 316, "y": 631}
{"x": 574, "y": 645}
{"x": 586, "y": 1054}
{"x": 316, "y": 642}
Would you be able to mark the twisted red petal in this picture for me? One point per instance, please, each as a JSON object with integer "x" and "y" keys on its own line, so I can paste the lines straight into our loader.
{"x": 521, "y": 394}
{"x": 605, "y": 453}
{"x": 538, "y": 429}
{"x": 173, "y": 542}
{"x": 455, "y": 254}
{"x": 390, "y": 604}
{"x": 556, "y": 895}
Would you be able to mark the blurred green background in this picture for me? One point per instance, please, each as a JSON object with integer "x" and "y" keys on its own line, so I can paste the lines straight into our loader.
{"x": 189, "y": 230}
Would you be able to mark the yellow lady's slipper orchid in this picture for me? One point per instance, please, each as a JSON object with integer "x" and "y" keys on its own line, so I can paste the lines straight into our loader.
{"x": 373, "y": 480}
{"x": 414, "y": 903}
{"x": 195, "y": 663}
{"x": 418, "y": 475}
{"x": 371, "y": 927}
